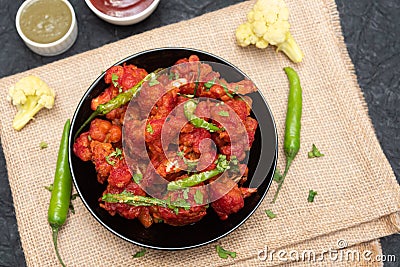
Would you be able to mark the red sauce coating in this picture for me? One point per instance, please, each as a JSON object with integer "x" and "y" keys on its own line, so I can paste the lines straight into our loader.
{"x": 121, "y": 8}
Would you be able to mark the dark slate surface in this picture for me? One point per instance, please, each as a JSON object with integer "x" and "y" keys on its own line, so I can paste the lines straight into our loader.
{"x": 372, "y": 34}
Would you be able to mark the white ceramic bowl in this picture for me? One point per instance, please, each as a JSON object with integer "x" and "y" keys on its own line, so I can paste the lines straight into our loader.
{"x": 53, "y": 48}
{"x": 125, "y": 20}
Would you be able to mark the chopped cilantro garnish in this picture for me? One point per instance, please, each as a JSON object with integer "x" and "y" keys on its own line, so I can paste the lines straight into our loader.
{"x": 114, "y": 80}
{"x": 173, "y": 75}
{"x": 226, "y": 90}
{"x": 153, "y": 82}
{"x": 270, "y": 214}
{"x": 185, "y": 192}
{"x": 311, "y": 195}
{"x": 315, "y": 153}
{"x": 43, "y": 145}
{"x": 140, "y": 253}
{"x": 209, "y": 84}
{"x": 149, "y": 129}
{"x": 137, "y": 177}
{"x": 222, "y": 253}
{"x": 223, "y": 113}
{"x": 198, "y": 197}
{"x": 180, "y": 153}
{"x": 117, "y": 153}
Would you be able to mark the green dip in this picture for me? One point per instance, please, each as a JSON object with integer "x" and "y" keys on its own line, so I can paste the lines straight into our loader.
{"x": 45, "y": 21}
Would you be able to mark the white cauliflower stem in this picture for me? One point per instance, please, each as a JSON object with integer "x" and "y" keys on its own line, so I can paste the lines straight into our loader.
{"x": 30, "y": 94}
{"x": 267, "y": 23}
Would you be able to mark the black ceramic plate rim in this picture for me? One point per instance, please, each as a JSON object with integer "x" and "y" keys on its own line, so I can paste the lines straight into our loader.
{"x": 71, "y": 140}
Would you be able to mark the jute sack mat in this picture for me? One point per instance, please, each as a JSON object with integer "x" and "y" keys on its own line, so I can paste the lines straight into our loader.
{"x": 358, "y": 195}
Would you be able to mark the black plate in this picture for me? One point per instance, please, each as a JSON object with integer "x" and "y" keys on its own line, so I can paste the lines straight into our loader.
{"x": 262, "y": 163}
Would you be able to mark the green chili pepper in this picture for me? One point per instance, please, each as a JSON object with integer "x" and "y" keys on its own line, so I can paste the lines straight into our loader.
{"x": 192, "y": 180}
{"x": 118, "y": 101}
{"x": 133, "y": 200}
{"x": 189, "y": 108}
{"x": 197, "y": 178}
{"x": 293, "y": 123}
{"x": 61, "y": 193}
{"x": 128, "y": 198}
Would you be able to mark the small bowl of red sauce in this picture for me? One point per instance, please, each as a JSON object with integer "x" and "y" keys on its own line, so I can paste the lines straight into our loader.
{"x": 123, "y": 12}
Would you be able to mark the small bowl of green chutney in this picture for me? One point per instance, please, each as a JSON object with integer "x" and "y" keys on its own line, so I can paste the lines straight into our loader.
{"x": 47, "y": 27}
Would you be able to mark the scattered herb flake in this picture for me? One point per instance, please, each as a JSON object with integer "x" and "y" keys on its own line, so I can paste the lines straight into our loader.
{"x": 109, "y": 161}
{"x": 209, "y": 84}
{"x": 198, "y": 197}
{"x": 114, "y": 80}
{"x": 315, "y": 153}
{"x": 172, "y": 76}
{"x": 139, "y": 254}
{"x": 153, "y": 82}
{"x": 226, "y": 90}
{"x": 223, "y": 113}
{"x": 185, "y": 193}
{"x": 176, "y": 210}
{"x": 117, "y": 153}
{"x": 89, "y": 138}
{"x": 270, "y": 214}
{"x": 49, "y": 188}
{"x": 180, "y": 153}
{"x": 43, "y": 145}
{"x": 149, "y": 129}
{"x": 137, "y": 177}
{"x": 311, "y": 195}
{"x": 222, "y": 253}
{"x": 278, "y": 176}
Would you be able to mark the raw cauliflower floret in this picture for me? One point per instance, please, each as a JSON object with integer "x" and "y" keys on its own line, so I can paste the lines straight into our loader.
{"x": 30, "y": 94}
{"x": 267, "y": 23}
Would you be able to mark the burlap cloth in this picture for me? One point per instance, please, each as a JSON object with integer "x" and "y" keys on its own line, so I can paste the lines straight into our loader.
{"x": 358, "y": 196}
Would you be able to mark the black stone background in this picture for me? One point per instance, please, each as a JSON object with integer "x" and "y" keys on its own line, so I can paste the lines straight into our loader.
{"x": 372, "y": 34}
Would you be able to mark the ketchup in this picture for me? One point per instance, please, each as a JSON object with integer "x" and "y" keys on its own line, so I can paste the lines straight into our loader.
{"x": 121, "y": 8}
